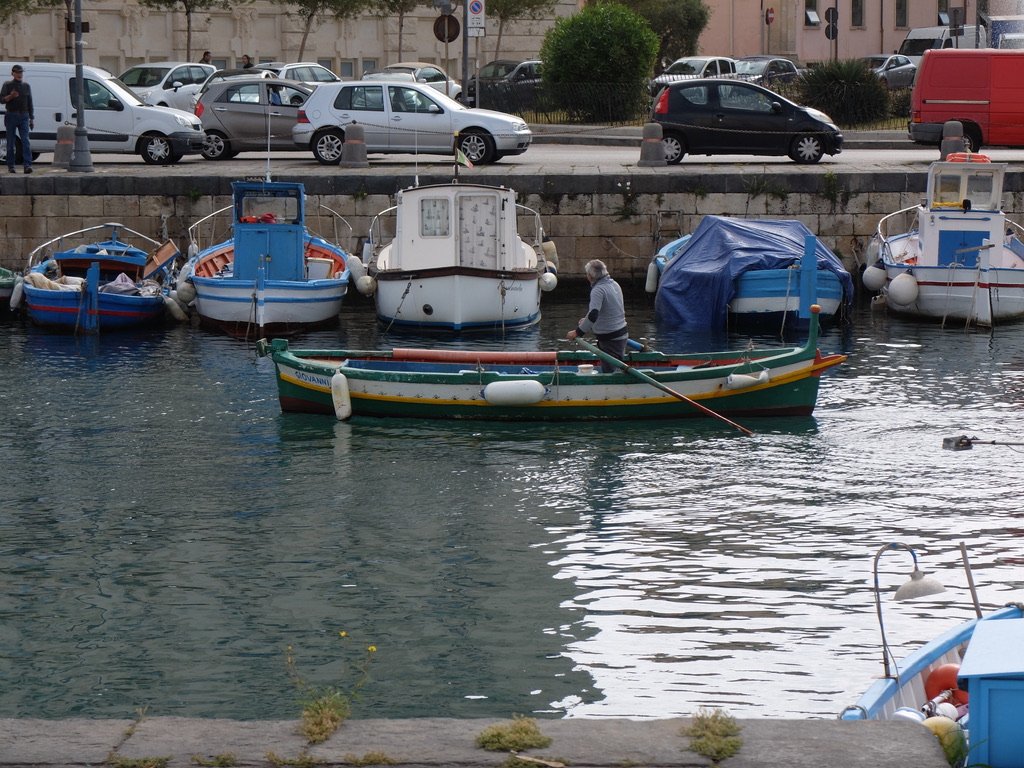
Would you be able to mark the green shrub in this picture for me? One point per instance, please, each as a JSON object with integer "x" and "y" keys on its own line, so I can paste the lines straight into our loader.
{"x": 846, "y": 91}
{"x": 604, "y": 48}
{"x": 899, "y": 102}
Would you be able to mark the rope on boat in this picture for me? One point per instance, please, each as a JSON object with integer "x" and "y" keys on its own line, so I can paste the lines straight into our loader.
{"x": 398, "y": 309}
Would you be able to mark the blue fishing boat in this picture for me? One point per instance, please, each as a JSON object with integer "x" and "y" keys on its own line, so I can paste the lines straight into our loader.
{"x": 271, "y": 276}
{"x": 966, "y": 686}
{"x": 759, "y": 274}
{"x": 99, "y": 284}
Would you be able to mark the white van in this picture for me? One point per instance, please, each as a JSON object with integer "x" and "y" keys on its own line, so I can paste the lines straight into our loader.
{"x": 115, "y": 119}
{"x": 924, "y": 39}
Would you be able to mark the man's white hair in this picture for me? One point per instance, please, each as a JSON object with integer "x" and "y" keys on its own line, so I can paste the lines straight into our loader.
{"x": 596, "y": 269}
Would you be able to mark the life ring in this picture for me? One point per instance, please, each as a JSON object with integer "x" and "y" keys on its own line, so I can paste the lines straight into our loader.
{"x": 967, "y": 157}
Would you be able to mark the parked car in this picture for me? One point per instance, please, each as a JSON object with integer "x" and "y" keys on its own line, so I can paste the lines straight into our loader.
{"x": 227, "y": 74}
{"x": 421, "y": 72}
{"x": 308, "y": 72}
{"x": 895, "y": 70}
{"x": 767, "y": 70}
{"x": 250, "y": 113}
{"x": 166, "y": 83}
{"x": 726, "y": 117}
{"x": 692, "y": 67}
{"x": 404, "y": 117}
{"x": 509, "y": 84}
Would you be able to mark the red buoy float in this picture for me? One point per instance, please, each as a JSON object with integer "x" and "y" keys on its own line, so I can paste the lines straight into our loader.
{"x": 943, "y": 678}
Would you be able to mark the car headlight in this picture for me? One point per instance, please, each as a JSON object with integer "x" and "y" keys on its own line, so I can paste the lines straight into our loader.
{"x": 520, "y": 127}
{"x": 185, "y": 122}
{"x": 818, "y": 115}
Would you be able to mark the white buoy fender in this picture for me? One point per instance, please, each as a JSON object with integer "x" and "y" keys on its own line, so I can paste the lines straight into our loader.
{"x": 873, "y": 278}
{"x": 526, "y": 392}
{"x": 18, "y": 293}
{"x": 548, "y": 281}
{"x": 340, "y": 397}
{"x": 175, "y": 309}
{"x": 356, "y": 268}
{"x": 903, "y": 289}
{"x": 366, "y": 285}
{"x": 193, "y": 249}
{"x": 744, "y": 380}
{"x": 651, "y": 286}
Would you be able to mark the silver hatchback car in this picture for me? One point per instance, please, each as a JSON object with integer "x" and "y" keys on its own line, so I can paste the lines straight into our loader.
{"x": 250, "y": 113}
{"x": 404, "y": 117}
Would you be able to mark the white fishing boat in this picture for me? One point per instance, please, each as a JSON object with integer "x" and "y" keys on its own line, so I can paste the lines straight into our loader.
{"x": 456, "y": 261}
{"x": 272, "y": 276}
{"x": 955, "y": 256}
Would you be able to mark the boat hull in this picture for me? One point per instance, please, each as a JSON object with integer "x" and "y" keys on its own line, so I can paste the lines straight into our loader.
{"x": 769, "y": 297}
{"x": 458, "y": 300}
{"x": 66, "y": 311}
{"x": 287, "y": 307}
{"x": 420, "y": 386}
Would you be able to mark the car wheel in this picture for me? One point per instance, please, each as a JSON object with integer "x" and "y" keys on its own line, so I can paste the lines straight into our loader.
{"x": 156, "y": 150}
{"x": 807, "y": 149}
{"x": 675, "y": 148}
{"x": 478, "y": 147}
{"x": 972, "y": 137}
{"x": 328, "y": 146}
{"x": 217, "y": 147}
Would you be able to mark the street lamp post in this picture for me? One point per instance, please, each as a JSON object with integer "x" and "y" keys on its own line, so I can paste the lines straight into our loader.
{"x": 81, "y": 159}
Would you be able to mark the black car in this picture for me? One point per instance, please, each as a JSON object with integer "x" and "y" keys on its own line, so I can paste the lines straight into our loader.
{"x": 507, "y": 85}
{"x": 729, "y": 117}
{"x": 766, "y": 70}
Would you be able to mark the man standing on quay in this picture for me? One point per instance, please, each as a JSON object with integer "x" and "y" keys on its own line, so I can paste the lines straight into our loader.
{"x": 19, "y": 117}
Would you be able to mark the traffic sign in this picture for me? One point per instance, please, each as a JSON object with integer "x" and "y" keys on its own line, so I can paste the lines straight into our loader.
{"x": 446, "y": 28}
{"x": 831, "y": 15}
{"x": 477, "y": 15}
{"x": 831, "y": 31}
{"x": 769, "y": 16}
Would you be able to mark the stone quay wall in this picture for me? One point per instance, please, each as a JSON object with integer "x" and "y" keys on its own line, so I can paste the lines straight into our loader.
{"x": 622, "y": 219}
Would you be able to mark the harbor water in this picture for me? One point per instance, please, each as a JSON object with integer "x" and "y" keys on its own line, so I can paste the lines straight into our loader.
{"x": 166, "y": 533}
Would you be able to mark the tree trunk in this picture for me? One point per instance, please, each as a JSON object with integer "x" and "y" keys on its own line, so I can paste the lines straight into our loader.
{"x": 401, "y": 29}
{"x": 305, "y": 36}
{"x": 188, "y": 33}
{"x": 497, "y": 43}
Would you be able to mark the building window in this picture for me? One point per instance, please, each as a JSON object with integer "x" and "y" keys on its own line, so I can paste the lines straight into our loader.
{"x": 901, "y": 13}
{"x": 347, "y": 69}
{"x": 857, "y": 13}
{"x": 811, "y": 13}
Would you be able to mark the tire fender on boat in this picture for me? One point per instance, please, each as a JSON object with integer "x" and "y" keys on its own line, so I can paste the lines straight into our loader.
{"x": 903, "y": 289}
{"x": 550, "y": 251}
{"x": 356, "y": 269}
{"x": 340, "y": 397}
{"x": 524, "y": 392}
{"x": 548, "y": 281}
{"x": 175, "y": 309}
{"x": 744, "y": 380}
{"x": 184, "y": 286}
{"x": 18, "y": 293}
{"x": 651, "y": 286}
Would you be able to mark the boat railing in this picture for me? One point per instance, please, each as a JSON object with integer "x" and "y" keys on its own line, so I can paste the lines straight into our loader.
{"x": 44, "y": 251}
{"x": 897, "y": 222}
{"x": 376, "y": 232}
{"x": 538, "y": 226}
{"x": 218, "y": 225}
{"x": 1015, "y": 230}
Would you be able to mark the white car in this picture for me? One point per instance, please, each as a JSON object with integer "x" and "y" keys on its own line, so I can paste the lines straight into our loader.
{"x": 308, "y": 72}
{"x": 405, "y": 117}
{"x": 420, "y": 72}
{"x": 166, "y": 83}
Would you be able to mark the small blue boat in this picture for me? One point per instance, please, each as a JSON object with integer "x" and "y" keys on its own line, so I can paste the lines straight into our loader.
{"x": 758, "y": 274}
{"x": 100, "y": 284}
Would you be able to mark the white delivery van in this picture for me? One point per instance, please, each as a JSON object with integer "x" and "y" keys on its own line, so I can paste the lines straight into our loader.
{"x": 115, "y": 119}
{"x": 924, "y": 39}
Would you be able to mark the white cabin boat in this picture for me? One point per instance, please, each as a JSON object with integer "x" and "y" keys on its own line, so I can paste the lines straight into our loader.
{"x": 456, "y": 261}
{"x": 960, "y": 258}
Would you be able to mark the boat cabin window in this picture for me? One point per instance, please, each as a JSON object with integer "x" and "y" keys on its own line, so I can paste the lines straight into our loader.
{"x": 269, "y": 209}
{"x": 947, "y": 191}
{"x": 435, "y": 217}
{"x": 981, "y": 191}
{"x": 980, "y": 187}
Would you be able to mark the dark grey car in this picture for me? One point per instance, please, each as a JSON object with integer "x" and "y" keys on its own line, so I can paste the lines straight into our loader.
{"x": 250, "y": 113}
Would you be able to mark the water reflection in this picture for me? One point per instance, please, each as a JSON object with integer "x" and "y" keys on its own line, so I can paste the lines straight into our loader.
{"x": 167, "y": 532}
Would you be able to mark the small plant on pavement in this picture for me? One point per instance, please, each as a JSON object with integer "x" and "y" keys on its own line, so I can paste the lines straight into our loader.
{"x": 714, "y": 734}
{"x": 521, "y": 733}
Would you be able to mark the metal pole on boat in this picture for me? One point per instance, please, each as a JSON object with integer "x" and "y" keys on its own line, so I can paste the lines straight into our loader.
{"x": 970, "y": 579}
{"x": 808, "y": 277}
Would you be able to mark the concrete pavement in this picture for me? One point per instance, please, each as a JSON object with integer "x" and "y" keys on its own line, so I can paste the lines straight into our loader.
{"x": 185, "y": 743}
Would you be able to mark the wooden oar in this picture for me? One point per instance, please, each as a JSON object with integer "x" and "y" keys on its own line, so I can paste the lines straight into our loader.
{"x": 657, "y": 384}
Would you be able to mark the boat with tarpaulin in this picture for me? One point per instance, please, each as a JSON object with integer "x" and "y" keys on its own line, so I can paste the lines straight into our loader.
{"x": 756, "y": 274}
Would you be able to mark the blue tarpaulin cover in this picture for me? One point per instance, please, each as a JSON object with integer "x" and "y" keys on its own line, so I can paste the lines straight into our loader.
{"x": 698, "y": 283}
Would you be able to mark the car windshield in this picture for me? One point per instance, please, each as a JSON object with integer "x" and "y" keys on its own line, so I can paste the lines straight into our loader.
{"x": 916, "y": 46}
{"x": 497, "y": 69}
{"x": 685, "y": 67}
{"x": 144, "y": 77}
{"x": 751, "y": 67}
